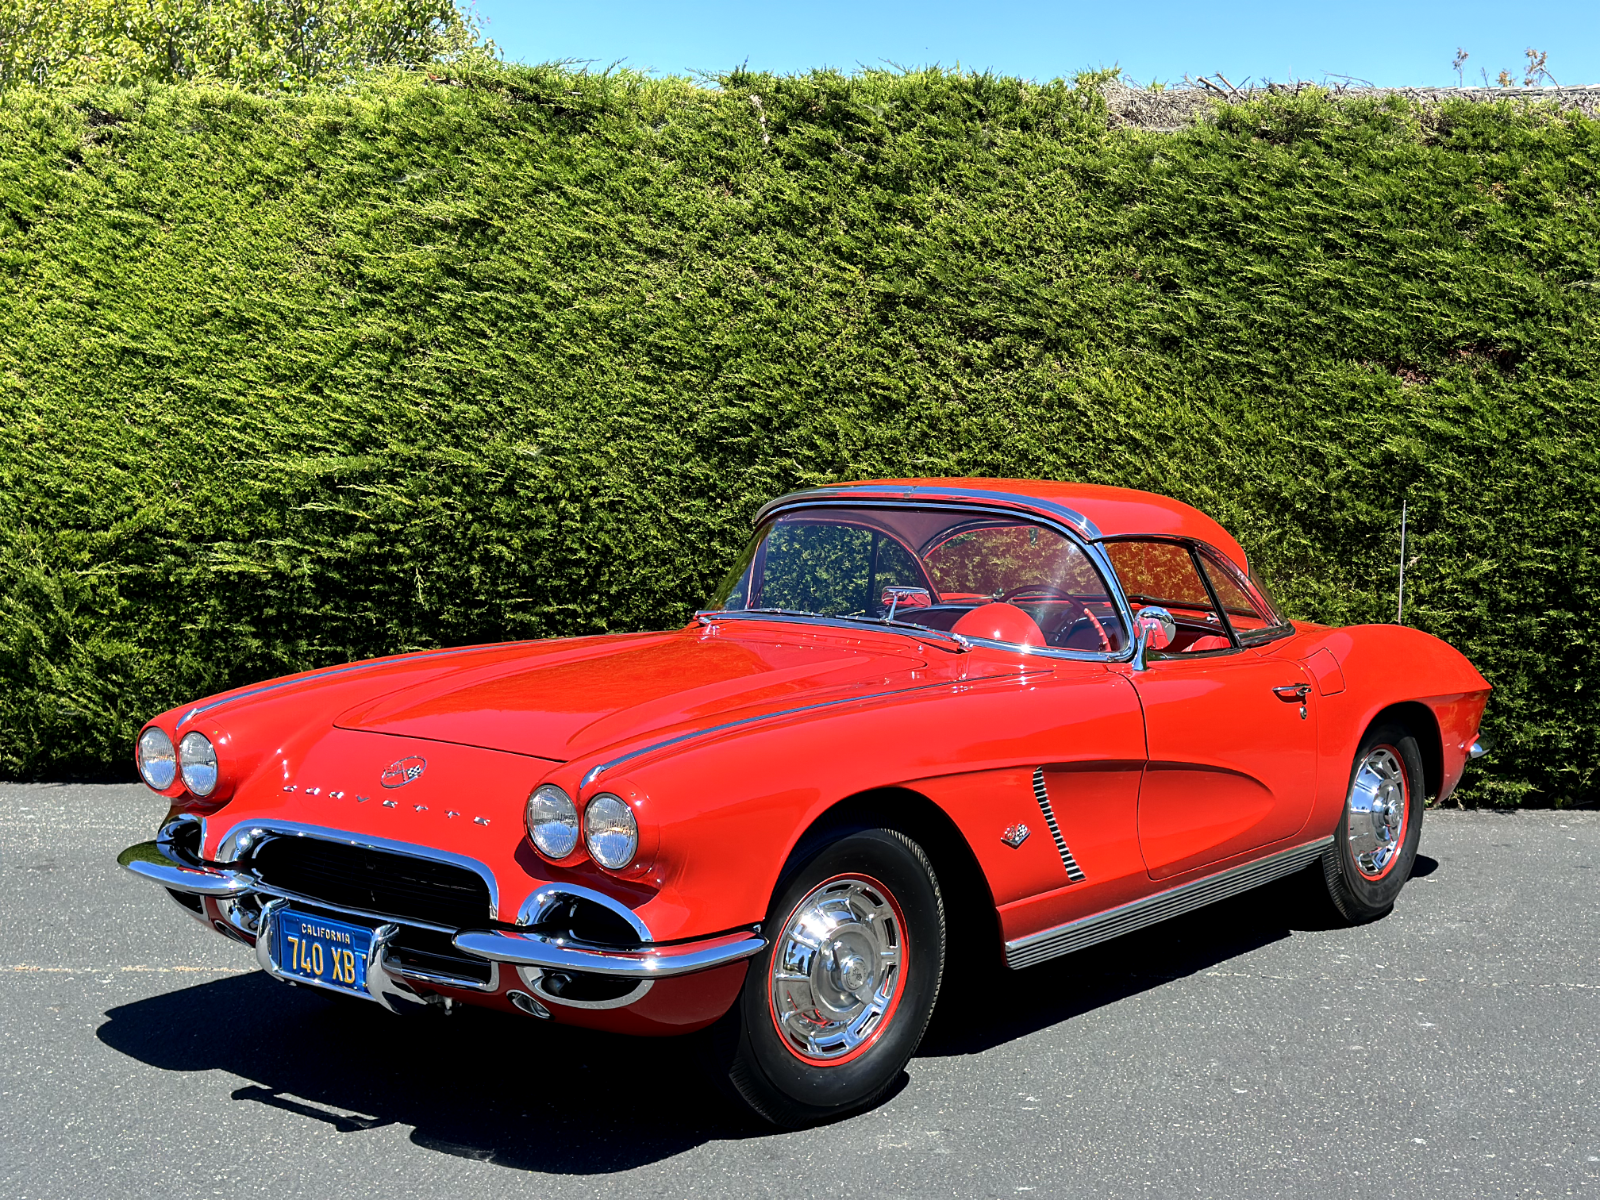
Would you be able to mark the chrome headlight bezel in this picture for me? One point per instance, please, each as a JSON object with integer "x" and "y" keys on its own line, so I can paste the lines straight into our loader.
{"x": 610, "y": 831}
{"x": 156, "y": 761}
{"x": 197, "y": 763}
{"x": 551, "y": 819}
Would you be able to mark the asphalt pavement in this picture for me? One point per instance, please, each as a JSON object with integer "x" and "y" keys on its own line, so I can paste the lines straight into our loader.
{"x": 1253, "y": 1049}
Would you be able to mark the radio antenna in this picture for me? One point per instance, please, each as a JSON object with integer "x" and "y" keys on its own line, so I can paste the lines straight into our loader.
{"x": 1400, "y": 605}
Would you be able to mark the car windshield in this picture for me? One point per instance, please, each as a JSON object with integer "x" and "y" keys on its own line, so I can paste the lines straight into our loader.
{"x": 927, "y": 567}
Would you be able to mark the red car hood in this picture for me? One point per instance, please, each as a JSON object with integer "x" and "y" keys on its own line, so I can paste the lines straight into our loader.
{"x": 563, "y": 699}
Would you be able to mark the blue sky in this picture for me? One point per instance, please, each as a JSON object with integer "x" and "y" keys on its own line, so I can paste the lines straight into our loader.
{"x": 1392, "y": 43}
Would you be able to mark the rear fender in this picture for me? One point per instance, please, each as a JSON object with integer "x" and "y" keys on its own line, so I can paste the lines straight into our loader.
{"x": 1386, "y": 672}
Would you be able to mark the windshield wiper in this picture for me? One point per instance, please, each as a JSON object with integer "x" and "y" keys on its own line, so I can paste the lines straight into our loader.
{"x": 961, "y": 644}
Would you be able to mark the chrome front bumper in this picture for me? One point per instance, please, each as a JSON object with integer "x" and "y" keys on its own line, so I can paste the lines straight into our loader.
{"x": 161, "y": 863}
{"x": 647, "y": 962}
{"x": 154, "y": 861}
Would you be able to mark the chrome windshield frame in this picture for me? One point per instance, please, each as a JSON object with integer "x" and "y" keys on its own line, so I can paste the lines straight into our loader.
{"x": 927, "y": 497}
{"x": 940, "y": 500}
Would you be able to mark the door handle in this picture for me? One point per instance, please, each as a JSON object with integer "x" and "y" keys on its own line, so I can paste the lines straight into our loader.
{"x": 1292, "y": 693}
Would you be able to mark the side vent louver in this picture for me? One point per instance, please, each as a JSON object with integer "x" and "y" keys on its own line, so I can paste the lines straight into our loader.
{"x": 1042, "y": 795}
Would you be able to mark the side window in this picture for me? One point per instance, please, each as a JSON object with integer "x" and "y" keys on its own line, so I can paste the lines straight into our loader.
{"x": 1247, "y": 612}
{"x": 1162, "y": 574}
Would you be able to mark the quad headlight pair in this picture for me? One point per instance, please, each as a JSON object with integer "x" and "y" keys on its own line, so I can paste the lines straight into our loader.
{"x": 609, "y": 828}
{"x": 160, "y": 763}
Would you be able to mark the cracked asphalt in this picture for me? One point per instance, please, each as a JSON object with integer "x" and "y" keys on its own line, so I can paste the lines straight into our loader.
{"x": 1253, "y": 1049}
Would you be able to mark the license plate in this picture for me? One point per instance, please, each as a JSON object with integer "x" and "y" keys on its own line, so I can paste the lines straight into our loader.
{"x": 320, "y": 951}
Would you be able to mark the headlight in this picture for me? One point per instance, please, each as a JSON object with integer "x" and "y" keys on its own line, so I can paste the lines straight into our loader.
{"x": 552, "y": 822}
{"x": 157, "y": 760}
{"x": 198, "y": 762}
{"x": 610, "y": 831}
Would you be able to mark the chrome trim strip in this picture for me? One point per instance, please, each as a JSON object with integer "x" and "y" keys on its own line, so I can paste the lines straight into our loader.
{"x": 560, "y": 954}
{"x": 229, "y": 851}
{"x": 325, "y": 672}
{"x": 1042, "y": 795}
{"x": 1100, "y": 927}
{"x": 148, "y": 861}
{"x": 1084, "y": 526}
{"x": 595, "y": 772}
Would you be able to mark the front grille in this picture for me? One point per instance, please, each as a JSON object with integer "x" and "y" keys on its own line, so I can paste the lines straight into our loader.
{"x": 375, "y": 881}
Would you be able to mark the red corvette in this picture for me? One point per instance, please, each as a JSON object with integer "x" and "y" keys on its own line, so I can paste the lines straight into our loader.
{"x": 1066, "y": 711}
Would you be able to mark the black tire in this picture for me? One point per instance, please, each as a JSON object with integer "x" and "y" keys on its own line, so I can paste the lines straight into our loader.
{"x": 1358, "y": 889}
{"x": 768, "y": 1070}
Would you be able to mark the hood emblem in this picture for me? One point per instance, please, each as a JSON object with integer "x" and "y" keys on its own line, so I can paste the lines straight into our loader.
{"x": 402, "y": 772}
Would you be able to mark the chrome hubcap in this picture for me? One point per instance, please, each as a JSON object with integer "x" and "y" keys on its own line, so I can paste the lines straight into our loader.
{"x": 1377, "y": 811}
{"x": 836, "y": 969}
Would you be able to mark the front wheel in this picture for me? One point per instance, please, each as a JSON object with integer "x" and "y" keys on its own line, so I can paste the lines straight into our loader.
{"x": 833, "y": 1009}
{"x": 1376, "y": 843}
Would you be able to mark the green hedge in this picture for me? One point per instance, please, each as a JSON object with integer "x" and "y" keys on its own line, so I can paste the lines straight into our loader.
{"x": 286, "y": 381}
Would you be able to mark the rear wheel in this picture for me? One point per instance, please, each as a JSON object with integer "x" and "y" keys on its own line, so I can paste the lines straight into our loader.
{"x": 1376, "y": 843}
{"x": 835, "y": 1006}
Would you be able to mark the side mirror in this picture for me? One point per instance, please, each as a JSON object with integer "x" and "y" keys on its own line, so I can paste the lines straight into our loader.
{"x": 910, "y": 597}
{"x": 1154, "y": 629}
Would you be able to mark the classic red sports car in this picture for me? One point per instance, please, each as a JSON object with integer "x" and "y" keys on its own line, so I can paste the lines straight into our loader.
{"x": 1068, "y": 711}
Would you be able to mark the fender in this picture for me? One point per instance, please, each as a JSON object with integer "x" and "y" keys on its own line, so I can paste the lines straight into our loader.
{"x": 1362, "y": 670}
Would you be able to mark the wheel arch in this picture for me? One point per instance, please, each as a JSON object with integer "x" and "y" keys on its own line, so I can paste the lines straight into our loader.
{"x": 1417, "y": 719}
{"x": 969, "y": 904}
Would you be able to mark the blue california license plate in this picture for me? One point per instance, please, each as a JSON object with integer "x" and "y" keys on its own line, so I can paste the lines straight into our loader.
{"x": 318, "y": 950}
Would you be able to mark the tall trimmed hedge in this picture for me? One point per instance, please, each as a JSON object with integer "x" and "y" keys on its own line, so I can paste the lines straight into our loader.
{"x": 286, "y": 381}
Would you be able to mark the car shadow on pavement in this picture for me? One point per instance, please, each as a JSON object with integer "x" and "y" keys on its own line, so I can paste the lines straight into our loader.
{"x": 483, "y": 1085}
{"x": 1063, "y": 988}
{"x": 556, "y": 1099}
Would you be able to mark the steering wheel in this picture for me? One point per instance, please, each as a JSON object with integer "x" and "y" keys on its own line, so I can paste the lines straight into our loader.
{"x": 1047, "y": 591}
